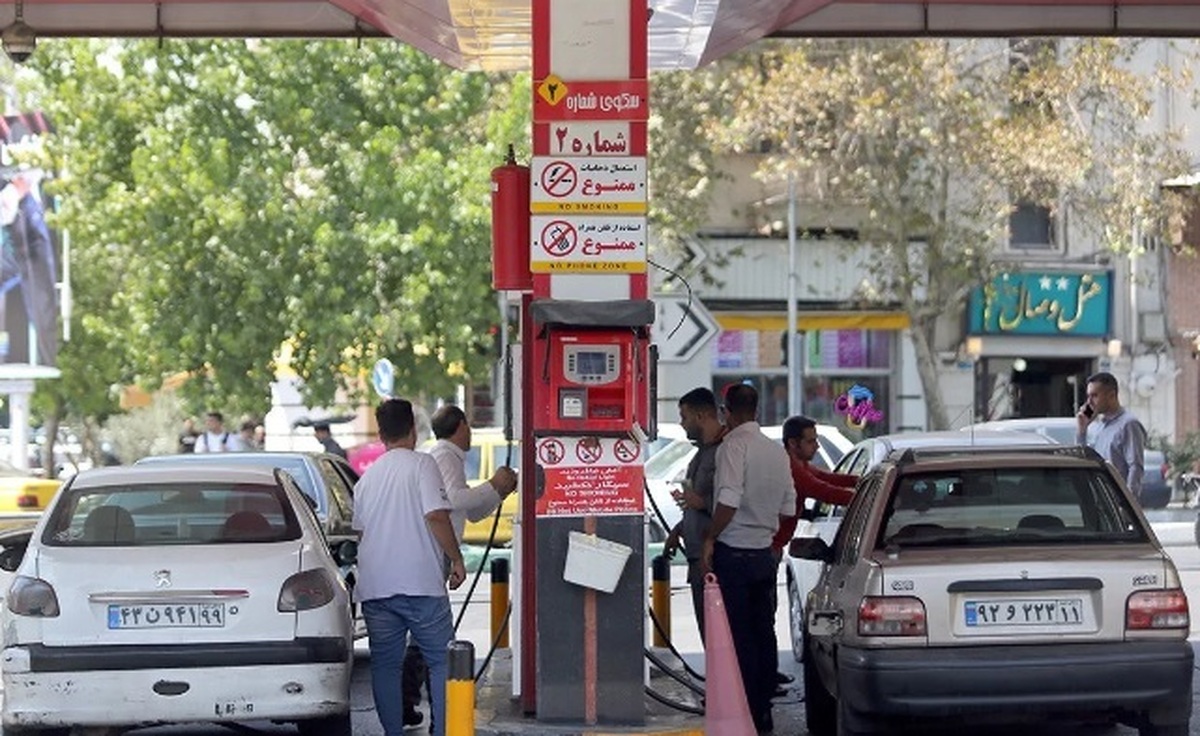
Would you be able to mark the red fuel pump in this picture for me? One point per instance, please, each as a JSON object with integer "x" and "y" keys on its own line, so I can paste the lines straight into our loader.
{"x": 510, "y": 226}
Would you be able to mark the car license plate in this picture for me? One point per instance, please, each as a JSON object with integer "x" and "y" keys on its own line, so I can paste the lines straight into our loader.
{"x": 1027, "y": 612}
{"x": 167, "y": 616}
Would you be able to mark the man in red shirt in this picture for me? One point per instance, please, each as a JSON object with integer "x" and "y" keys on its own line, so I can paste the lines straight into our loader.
{"x": 800, "y": 441}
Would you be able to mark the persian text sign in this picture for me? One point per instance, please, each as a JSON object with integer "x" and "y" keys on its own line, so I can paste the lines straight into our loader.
{"x": 614, "y": 185}
{"x": 1042, "y": 304}
{"x": 589, "y": 139}
{"x": 589, "y": 476}
{"x": 587, "y": 244}
{"x": 620, "y": 99}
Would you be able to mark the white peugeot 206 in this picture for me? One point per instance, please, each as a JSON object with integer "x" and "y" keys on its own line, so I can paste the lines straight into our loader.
{"x": 153, "y": 595}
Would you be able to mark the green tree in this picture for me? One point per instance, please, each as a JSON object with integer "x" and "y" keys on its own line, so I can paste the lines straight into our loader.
{"x": 933, "y": 141}
{"x": 224, "y": 197}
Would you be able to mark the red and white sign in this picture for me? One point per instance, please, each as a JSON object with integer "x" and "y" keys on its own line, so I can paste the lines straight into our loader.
{"x": 619, "y": 99}
{"x": 587, "y": 244}
{"x": 590, "y": 139}
{"x": 601, "y": 185}
{"x": 594, "y": 476}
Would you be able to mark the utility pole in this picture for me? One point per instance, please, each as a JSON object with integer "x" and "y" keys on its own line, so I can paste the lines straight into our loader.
{"x": 795, "y": 364}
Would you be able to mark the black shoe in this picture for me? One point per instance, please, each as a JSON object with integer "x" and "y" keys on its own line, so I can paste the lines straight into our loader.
{"x": 783, "y": 678}
{"x": 780, "y": 691}
{"x": 413, "y": 719}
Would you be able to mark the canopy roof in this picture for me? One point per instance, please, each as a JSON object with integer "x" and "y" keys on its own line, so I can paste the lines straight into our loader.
{"x": 495, "y": 34}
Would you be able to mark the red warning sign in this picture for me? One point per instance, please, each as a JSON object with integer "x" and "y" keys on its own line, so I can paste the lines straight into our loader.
{"x": 586, "y": 476}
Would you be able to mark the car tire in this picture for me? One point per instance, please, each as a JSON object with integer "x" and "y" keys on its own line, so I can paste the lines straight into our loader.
{"x": 795, "y": 618}
{"x": 335, "y": 725}
{"x": 820, "y": 709}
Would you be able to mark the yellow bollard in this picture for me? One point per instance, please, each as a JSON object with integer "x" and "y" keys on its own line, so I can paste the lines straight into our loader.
{"x": 500, "y": 602}
{"x": 660, "y": 598}
{"x": 460, "y": 689}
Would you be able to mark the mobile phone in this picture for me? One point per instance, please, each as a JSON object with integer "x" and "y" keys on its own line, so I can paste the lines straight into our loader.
{"x": 1088, "y": 410}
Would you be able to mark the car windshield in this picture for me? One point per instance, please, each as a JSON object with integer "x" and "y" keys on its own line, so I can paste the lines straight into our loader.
{"x": 1008, "y": 506}
{"x": 171, "y": 514}
{"x": 293, "y": 466}
{"x": 500, "y": 455}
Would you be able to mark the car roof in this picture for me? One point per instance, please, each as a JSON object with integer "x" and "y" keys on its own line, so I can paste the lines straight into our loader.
{"x": 965, "y": 458}
{"x": 948, "y": 438}
{"x": 247, "y": 458}
{"x": 164, "y": 473}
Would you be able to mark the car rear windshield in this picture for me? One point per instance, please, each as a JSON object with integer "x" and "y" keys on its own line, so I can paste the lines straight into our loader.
{"x": 171, "y": 514}
{"x": 1009, "y": 506}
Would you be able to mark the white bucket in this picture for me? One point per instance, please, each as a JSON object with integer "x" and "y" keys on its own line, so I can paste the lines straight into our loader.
{"x": 594, "y": 562}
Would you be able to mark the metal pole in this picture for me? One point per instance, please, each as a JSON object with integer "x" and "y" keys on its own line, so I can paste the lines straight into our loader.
{"x": 795, "y": 358}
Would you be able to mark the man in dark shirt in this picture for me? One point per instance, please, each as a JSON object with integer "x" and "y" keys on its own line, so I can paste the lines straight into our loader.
{"x": 325, "y": 437}
{"x": 698, "y": 417}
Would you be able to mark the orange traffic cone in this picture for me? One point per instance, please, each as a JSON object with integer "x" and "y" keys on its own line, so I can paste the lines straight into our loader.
{"x": 726, "y": 712}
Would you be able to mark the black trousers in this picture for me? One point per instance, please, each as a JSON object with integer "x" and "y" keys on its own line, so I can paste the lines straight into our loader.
{"x": 747, "y": 580}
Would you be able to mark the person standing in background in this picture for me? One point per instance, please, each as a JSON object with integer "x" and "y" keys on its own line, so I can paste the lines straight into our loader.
{"x": 1121, "y": 438}
{"x": 215, "y": 437}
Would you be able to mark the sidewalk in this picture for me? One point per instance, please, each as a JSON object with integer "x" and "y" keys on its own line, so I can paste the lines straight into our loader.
{"x": 497, "y": 713}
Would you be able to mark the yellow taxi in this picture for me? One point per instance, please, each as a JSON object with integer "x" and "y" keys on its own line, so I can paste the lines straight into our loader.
{"x": 20, "y": 491}
{"x": 489, "y": 451}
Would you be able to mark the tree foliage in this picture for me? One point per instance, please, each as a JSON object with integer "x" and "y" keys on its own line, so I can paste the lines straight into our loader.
{"x": 933, "y": 141}
{"x": 226, "y": 197}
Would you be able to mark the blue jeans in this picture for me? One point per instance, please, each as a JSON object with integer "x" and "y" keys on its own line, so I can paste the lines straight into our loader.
{"x": 389, "y": 623}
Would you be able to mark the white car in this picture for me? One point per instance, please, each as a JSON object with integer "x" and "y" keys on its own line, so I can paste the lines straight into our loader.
{"x": 824, "y": 522}
{"x": 667, "y": 467}
{"x": 152, "y": 595}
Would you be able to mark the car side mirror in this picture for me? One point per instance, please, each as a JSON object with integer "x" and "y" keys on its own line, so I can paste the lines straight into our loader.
{"x": 346, "y": 553}
{"x": 10, "y": 557}
{"x": 811, "y": 548}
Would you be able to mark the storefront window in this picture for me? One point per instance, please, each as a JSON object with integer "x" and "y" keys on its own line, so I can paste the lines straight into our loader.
{"x": 846, "y": 375}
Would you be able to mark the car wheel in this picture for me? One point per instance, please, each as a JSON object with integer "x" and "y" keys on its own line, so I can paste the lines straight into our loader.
{"x": 820, "y": 709}
{"x": 335, "y": 725}
{"x": 795, "y": 618}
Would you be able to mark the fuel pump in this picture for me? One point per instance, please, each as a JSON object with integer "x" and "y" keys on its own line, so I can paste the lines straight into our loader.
{"x": 592, "y": 406}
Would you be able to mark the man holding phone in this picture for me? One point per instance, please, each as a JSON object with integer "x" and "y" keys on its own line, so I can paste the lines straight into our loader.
{"x": 1120, "y": 438}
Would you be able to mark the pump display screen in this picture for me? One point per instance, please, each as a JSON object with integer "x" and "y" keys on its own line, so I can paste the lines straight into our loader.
{"x": 591, "y": 364}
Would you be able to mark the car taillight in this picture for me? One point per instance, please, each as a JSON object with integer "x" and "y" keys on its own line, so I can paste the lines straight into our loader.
{"x": 32, "y": 597}
{"x": 305, "y": 591}
{"x": 1157, "y": 609}
{"x": 27, "y": 501}
{"x": 891, "y": 616}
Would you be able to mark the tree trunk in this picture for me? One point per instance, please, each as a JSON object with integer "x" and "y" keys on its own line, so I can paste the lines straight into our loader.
{"x": 48, "y": 450}
{"x": 935, "y": 408}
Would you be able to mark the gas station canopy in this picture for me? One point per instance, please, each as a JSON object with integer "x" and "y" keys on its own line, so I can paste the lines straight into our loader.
{"x": 494, "y": 35}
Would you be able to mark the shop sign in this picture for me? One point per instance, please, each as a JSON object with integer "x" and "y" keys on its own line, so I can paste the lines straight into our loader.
{"x": 1030, "y": 303}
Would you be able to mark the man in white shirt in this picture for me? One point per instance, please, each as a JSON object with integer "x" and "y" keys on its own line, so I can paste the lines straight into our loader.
{"x": 753, "y": 492}
{"x": 403, "y": 513}
{"x": 453, "y": 434}
{"x": 215, "y": 437}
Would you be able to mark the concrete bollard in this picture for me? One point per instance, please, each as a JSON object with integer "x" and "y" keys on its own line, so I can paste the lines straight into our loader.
{"x": 660, "y": 598}
{"x": 500, "y": 602}
{"x": 460, "y": 689}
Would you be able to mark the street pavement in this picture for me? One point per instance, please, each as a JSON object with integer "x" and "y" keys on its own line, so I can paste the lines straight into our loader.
{"x": 1174, "y": 528}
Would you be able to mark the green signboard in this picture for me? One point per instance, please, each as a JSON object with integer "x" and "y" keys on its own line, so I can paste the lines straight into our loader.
{"x": 1077, "y": 304}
